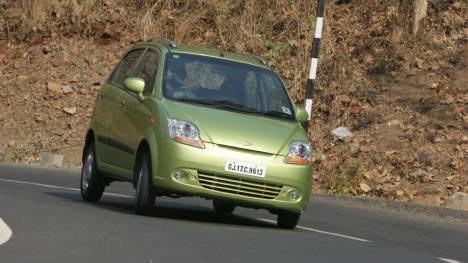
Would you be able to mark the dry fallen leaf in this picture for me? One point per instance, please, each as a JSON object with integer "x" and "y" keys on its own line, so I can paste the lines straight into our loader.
{"x": 419, "y": 63}
{"x": 400, "y": 193}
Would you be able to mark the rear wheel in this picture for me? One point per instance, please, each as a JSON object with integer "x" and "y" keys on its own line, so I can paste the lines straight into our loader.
{"x": 223, "y": 208}
{"x": 288, "y": 220}
{"x": 145, "y": 193}
{"x": 92, "y": 183}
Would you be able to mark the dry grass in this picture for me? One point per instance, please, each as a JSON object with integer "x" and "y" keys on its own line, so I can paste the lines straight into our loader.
{"x": 278, "y": 30}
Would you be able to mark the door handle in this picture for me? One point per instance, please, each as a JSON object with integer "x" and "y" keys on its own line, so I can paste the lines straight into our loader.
{"x": 122, "y": 103}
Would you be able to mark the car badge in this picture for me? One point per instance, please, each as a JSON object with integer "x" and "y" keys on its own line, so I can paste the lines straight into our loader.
{"x": 245, "y": 143}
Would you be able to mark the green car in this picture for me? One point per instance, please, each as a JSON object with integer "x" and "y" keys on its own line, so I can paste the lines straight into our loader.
{"x": 175, "y": 121}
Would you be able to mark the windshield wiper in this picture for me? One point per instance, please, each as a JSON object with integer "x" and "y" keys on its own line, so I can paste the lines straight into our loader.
{"x": 277, "y": 114}
{"x": 204, "y": 102}
{"x": 221, "y": 104}
{"x": 230, "y": 105}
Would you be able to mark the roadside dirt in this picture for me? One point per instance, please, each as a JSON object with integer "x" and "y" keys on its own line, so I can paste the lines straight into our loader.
{"x": 403, "y": 96}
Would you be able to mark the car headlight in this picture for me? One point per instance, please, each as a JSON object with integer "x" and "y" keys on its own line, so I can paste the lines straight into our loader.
{"x": 184, "y": 132}
{"x": 299, "y": 153}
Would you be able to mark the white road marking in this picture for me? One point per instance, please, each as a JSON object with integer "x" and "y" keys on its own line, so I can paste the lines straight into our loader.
{"x": 5, "y": 232}
{"x": 60, "y": 187}
{"x": 321, "y": 231}
{"x": 448, "y": 260}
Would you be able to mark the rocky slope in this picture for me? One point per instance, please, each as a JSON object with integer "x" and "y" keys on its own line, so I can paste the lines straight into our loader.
{"x": 404, "y": 96}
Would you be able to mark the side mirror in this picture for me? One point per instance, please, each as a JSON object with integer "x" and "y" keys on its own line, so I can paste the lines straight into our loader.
{"x": 301, "y": 115}
{"x": 136, "y": 85}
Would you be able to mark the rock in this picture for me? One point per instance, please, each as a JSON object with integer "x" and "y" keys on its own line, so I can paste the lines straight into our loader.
{"x": 425, "y": 158}
{"x": 345, "y": 99}
{"x": 354, "y": 147}
{"x": 385, "y": 189}
{"x": 458, "y": 201}
{"x": 67, "y": 89}
{"x": 341, "y": 133}
{"x": 2, "y": 58}
{"x": 448, "y": 100}
{"x": 70, "y": 110}
{"x": 75, "y": 78}
{"x": 455, "y": 164}
{"x": 51, "y": 160}
{"x": 365, "y": 187}
{"x": 91, "y": 60}
{"x": 369, "y": 175}
{"x": 419, "y": 175}
{"x": 355, "y": 109}
{"x": 53, "y": 86}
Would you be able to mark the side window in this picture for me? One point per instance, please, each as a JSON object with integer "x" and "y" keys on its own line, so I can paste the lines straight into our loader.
{"x": 124, "y": 69}
{"x": 147, "y": 70}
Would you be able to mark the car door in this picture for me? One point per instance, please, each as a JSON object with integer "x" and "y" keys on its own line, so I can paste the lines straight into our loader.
{"x": 136, "y": 114}
{"x": 111, "y": 152}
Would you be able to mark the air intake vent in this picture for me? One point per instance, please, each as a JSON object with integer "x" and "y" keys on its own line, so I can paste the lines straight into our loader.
{"x": 239, "y": 186}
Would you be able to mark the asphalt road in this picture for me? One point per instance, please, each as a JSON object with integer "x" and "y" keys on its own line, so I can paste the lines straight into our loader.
{"x": 43, "y": 219}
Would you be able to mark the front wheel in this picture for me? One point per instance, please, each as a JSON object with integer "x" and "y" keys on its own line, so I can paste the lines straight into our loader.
{"x": 288, "y": 220}
{"x": 145, "y": 193}
{"x": 92, "y": 183}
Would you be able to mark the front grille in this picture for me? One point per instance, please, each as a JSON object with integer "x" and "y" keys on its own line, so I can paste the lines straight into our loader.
{"x": 239, "y": 186}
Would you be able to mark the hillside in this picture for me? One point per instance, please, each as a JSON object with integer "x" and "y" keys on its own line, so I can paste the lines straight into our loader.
{"x": 404, "y": 96}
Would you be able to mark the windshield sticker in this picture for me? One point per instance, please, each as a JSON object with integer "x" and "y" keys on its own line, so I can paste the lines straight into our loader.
{"x": 286, "y": 110}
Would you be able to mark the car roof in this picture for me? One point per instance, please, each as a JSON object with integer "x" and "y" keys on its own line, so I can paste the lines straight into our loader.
{"x": 209, "y": 52}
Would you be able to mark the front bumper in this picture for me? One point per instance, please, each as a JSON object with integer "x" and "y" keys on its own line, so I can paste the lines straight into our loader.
{"x": 188, "y": 170}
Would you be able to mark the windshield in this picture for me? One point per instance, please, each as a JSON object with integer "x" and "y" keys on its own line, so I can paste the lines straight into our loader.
{"x": 225, "y": 84}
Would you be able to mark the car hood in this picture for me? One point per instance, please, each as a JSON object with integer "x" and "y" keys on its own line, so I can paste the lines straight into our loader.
{"x": 239, "y": 130}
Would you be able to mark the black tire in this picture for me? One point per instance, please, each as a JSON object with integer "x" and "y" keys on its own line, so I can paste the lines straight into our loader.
{"x": 288, "y": 220}
{"x": 145, "y": 193}
{"x": 223, "y": 208}
{"x": 92, "y": 183}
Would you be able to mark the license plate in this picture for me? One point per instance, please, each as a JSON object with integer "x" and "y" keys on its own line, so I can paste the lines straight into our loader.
{"x": 241, "y": 167}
